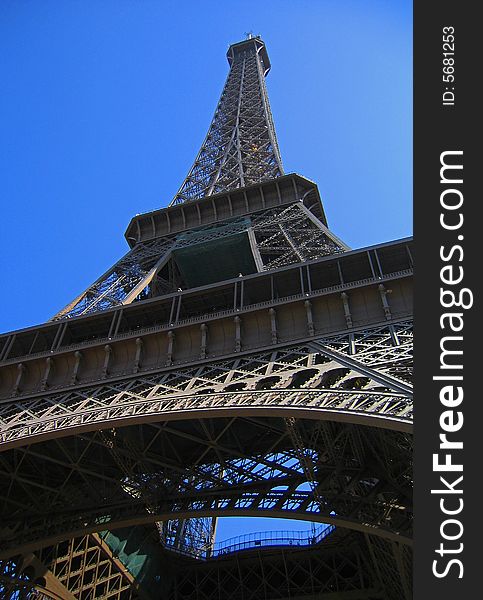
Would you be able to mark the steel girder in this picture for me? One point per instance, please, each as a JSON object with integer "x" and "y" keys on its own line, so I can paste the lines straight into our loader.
{"x": 241, "y": 145}
{"x": 280, "y": 237}
{"x": 320, "y": 430}
{"x": 344, "y": 567}
{"x": 158, "y": 470}
{"x": 70, "y": 486}
{"x": 82, "y": 567}
{"x": 348, "y": 376}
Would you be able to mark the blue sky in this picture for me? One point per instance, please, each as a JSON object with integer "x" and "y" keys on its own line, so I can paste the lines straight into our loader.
{"x": 105, "y": 104}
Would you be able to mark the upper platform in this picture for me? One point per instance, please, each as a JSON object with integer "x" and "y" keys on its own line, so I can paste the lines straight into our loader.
{"x": 247, "y": 45}
{"x": 280, "y": 191}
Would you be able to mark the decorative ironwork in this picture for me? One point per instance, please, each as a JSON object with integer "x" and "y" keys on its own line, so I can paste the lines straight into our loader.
{"x": 286, "y": 393}
{"x": 298, "y": 379}
{"x": 348, "y": 564}
{"x": 280, "y": 237}
{"x": 70, "y": 486}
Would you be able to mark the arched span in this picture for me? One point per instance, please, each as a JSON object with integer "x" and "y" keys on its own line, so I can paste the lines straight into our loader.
{"x": 96, "y": 411}
{"x": 352, "y": 475}
{"x": 147, "y": 519}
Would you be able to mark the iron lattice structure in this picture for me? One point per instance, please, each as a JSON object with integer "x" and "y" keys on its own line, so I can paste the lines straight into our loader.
{"x": 239, "y": 360}
{"x": 279, "y": 237}
{"x": 241, "y": 145}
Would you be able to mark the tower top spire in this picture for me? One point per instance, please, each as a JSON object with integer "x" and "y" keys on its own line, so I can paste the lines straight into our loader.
{"x": 241, "y": 147}
{"x": 250, "y": 44}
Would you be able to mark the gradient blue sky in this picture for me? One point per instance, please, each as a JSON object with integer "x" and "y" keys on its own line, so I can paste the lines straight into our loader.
{"x": 104, "y": 105}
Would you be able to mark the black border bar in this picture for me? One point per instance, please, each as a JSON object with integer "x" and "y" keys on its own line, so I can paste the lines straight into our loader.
{"x": 447, "y": 116}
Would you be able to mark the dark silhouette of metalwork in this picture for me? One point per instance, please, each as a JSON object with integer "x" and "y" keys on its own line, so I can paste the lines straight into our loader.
{"x": 239, "y": 360}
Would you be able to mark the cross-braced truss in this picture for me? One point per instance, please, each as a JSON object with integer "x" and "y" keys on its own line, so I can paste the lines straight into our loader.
{"x": 342, "y": 375}
{"x": 112, "y": 477}
{"x": 281, "y": 237}
{"x": 342, "y": 567}
{"x": 61, "y": 488}
{"x": 318, "y": 431}
{"x": 241, "y": 145}
{"x": 240, "y": 149}
{"x": 83, "y": 567}
{"x": 345, "y": 565}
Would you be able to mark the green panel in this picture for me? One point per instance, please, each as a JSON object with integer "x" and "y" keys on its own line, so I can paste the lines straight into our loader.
{"x": 142, "y": 557}
{"x": 216, "y": 260}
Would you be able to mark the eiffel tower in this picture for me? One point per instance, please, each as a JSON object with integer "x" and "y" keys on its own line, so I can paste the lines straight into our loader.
{"x": 239, "y": 360}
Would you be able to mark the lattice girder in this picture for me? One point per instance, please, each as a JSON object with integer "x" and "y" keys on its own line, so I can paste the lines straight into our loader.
{"x": 281, "y": 237}
{"x": 241, "y": 146}
{"x": 342, "y": 567}
{"x": 82, "y": 567}
{"x": 285, "y": 369}
{"x": 348, "y": 564}
{"x": 58, "y": 488}
{"x": 307, "y": 382}
{"x": 316, "y": 426}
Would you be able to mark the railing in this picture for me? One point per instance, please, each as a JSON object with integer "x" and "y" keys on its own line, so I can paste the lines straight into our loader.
{"x": 271, "y": 538}
{"x": 261, "y": 539}
{"x": 140, "y": 331}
